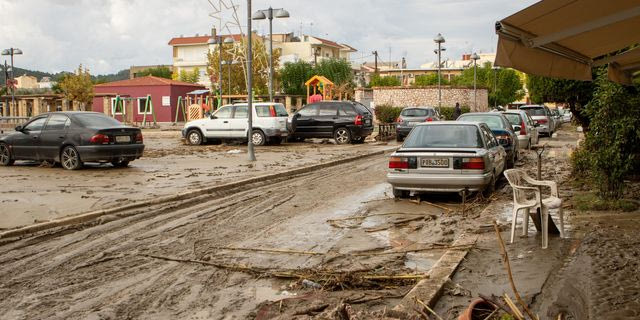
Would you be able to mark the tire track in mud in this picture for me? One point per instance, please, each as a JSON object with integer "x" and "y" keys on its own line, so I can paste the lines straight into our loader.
{"x": 129, "y": 285}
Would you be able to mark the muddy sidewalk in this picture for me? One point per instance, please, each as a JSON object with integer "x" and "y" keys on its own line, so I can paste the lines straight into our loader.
{"x": 590, "y": 274}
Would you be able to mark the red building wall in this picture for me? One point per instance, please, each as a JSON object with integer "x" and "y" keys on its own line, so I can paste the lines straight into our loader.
{"x": 163, "y": 113}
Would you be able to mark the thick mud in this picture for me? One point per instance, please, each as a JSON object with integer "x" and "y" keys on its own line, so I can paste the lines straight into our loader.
{"x": 32, "y": 192}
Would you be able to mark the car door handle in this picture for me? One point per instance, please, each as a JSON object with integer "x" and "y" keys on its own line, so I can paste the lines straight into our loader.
{"x": 61, "y": 137}
{"x": 225, "y": 121}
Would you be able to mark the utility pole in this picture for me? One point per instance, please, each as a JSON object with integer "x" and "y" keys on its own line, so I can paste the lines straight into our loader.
{"x": 375, "y": 54}
{"x": 252, "y": 156}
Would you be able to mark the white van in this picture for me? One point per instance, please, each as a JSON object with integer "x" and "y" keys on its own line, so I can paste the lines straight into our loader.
{"x": 231, "y": 122}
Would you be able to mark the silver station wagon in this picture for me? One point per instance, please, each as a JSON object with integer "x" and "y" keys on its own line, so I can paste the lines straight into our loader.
{"x": 446, "y": 156}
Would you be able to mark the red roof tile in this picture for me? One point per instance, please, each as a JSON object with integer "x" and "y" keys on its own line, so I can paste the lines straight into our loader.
{"x": 200, "y": 39}
{"x": 328, "y": 42}
{"x": 147, "y": 81}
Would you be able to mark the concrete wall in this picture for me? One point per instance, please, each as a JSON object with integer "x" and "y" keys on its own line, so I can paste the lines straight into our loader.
{"x": 428, "y": 96}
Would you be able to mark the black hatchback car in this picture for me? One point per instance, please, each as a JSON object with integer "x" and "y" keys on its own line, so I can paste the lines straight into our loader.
{"x": 345, "y": 121}
{"x": 72, "y": 138}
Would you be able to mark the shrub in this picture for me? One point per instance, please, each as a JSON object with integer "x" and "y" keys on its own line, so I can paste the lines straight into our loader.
{"x": 447, "y": 112}
{"x": 388, "y": 81}
{"x": 386, "y": 113}
{"x": 430, "y": 80}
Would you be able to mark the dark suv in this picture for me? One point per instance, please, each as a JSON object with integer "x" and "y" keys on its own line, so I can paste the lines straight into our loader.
{"x": 345, "y": 121}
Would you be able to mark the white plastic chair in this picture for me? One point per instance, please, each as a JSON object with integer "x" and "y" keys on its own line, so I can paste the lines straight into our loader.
{"x": 521, "y": 201}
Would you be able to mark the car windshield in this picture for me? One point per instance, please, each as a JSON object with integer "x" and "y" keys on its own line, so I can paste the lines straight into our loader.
{"x": 415, "y": 112}
{"x": 513, "y": 118}
{"x": 494, "y": 122}
{"x": 535, "y": 111}
{"x": 96, "y": 120}
{"x": 444, "y": 136}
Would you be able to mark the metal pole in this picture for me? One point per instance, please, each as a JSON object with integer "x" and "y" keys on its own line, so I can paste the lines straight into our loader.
{"x": 270, "y": 54}
{"x": 13, "y": 88}
{"x": 439, "y": 89}
{"x": 475, "y": 101}
{"x": 252, "y": 156}
{"x": 495, "y": 87}
{"x": 229, "y": 68}
{"x": 219, "y": 41}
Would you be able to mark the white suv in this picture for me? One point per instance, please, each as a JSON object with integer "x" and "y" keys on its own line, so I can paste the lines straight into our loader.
{"x": 231, "y": 122}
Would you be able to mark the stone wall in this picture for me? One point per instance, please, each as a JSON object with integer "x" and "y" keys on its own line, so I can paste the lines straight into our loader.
{"x": 428, "y": 96}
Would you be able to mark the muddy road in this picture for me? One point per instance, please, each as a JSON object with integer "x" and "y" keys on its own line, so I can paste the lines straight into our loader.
{"x": 114, "y": 268}
{"x": 31, "y": 192}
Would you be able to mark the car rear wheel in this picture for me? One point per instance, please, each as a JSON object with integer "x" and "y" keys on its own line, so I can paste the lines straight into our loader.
{"x": 194, "y": 137}
{"x": 490, "y": 188}
{"x": 399, "y": 194}
{"x": 70, "y": 158}
{"x": 358, "y": 140}
{"x": 120, "y": 163}
{"x": 5, "y": 155}
{"x": 342, "y": 136}
{"x": 258, "y": 138}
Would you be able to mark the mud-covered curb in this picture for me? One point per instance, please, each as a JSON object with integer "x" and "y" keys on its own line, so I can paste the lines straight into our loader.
{"x": 83, "y": 217}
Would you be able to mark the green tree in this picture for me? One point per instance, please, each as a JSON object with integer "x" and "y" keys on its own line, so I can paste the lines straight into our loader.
{"x": 293, "y": 75}
{"x": 162, "y": 72}
{"x": 236, "y": 53}
{"x": 507, "y": 83}
{"x": 387, "y": 81}
{"x": 612, "y": 144}
{"x": 430, "y": 80}
{"x": 77, "y": 87}
{"x": 573, "y": 92}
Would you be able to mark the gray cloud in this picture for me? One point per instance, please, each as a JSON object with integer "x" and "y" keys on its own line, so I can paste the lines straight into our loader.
{"x": 110, "y": 35}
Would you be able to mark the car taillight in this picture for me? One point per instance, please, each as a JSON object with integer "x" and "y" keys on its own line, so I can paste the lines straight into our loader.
{"x": 505, "y": 137}
{"x": 139, "y": 138}
{"x": 99, "y": 139}
{"x": 541, "y": 121}
{"x": 398, "y": 163}
{"x": 473, "y": 163}
{"x": 523, "y": 129}
{"x": 358, "y": 121}
{"x": 272, "y": 111}
{"x": 399, "y": 120}
{"x": 428, "y": 119}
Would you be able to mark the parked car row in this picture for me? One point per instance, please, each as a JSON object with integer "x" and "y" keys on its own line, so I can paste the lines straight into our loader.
{"x": 468, "y": 154}
{"x": 344, "y": 121}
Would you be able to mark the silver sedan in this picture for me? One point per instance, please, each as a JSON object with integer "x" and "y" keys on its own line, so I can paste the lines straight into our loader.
{"x": 447, "y": 157}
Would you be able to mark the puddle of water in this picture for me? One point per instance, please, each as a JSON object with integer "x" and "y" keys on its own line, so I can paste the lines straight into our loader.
{"x": 422, "y": 261}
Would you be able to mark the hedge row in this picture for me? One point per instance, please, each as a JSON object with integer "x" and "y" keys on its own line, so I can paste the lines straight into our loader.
{"x": 386, "y": 113}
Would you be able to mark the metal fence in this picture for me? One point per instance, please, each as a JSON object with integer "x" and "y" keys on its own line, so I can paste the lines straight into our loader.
{"x": 386, "y": 132}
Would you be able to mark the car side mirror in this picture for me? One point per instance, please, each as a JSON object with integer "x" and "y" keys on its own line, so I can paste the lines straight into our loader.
{"x": 213, "y": 117}
{"x": 517, "y": 128}
{"x": 19, "y": 128}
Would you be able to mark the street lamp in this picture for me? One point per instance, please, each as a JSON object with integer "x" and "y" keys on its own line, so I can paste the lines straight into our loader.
{"x": 215, "y": 39}
{"x": 270, "y": 14}
{"x": 475, "y": 58}
{"x": 11, "y": 52}
{"x": 439, "y": 39}
{"x": 249, "y": 57}
{"x": 228, "y": 63}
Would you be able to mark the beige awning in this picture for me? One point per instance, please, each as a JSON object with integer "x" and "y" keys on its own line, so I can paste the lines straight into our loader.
{"x": 566, "y": 38}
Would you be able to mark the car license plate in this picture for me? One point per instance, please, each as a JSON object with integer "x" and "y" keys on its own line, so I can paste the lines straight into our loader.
{"x": 123, "y": 139}
{"x": 412, "y": 123}
{"x": 435, "y": 163}
{"x": 367, "y": 121}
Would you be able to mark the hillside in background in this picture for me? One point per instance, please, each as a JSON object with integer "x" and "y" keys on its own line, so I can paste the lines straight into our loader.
{"x": 120, "y": 75}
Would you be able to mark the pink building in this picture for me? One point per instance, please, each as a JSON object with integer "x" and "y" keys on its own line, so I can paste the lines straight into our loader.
{"x": 164, "y": 96}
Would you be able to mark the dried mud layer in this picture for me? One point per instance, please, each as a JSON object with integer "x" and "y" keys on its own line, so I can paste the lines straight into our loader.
{"x": 337, "y": 227}
{"x": 31, "y": 192}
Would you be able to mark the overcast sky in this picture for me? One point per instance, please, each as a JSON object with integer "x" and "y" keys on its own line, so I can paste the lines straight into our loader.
{"x": 110, "y": 35}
